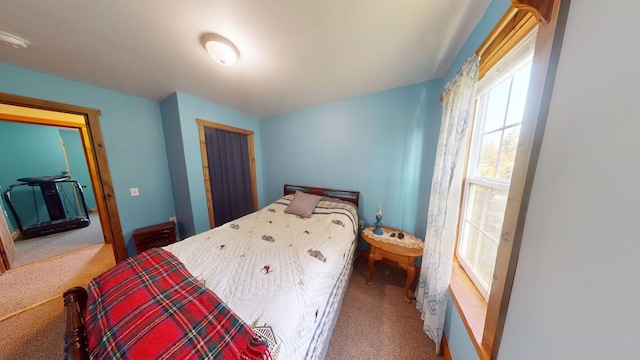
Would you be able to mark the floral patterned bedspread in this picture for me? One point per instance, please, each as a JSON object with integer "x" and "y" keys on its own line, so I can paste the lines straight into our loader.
{"x": 277, "y": 271}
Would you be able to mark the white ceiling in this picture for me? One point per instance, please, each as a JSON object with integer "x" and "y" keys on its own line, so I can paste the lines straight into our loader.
{"x": 293, "y": 53}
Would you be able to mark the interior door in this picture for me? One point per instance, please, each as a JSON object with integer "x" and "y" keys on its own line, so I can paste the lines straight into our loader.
{"x": 229, "y": 170}
{"x": 7, "y": 247}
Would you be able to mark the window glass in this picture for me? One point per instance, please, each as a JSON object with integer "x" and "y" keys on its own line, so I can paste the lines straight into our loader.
{"x": 477, "y": 204}
{"x": 500, "y": 105}
{"x": 518, "y": 96}
{"x": 494, "y": 213}
{"x": 508, "y": 148}
{"x": 470, "y": 246}
{"x": 489, "y": 152}
{"x": 497, "y": 106}
{"x": 488, "y": 248}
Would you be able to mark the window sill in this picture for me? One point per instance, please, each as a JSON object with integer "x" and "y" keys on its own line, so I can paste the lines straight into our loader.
{"x": 471, "y": 306}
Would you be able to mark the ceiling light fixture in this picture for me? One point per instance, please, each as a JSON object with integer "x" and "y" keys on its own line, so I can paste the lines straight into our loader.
{"x": 223, "y": 51}
{"x": 13, "y": 40}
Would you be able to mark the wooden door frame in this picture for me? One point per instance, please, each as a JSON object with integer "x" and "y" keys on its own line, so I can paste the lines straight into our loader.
{"x": 96, "y": 155}
{"x": 205, "y": 163}
{"x": 5, "y": 253}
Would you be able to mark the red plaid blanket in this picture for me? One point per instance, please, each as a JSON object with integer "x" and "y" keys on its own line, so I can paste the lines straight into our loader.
{"x": 151, "y": 307}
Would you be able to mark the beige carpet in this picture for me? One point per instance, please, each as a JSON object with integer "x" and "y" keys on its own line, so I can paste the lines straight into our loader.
{"x": 29, "y": 285}
{"x": 33, "y": 250}
{"x": 33, "y": 319}
{"x": 375, "y": 322}
{"x": 34, "y": 334}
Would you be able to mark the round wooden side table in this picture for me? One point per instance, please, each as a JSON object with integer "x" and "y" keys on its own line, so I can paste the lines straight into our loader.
{"x": 401, "y": 249}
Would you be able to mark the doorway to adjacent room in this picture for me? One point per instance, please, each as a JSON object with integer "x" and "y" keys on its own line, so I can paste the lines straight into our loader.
{"x": 85, "y": 121}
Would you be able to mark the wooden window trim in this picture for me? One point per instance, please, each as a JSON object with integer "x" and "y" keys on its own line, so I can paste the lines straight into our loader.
{"x": 515, "y": 27}
{"x": 205, "y": 163}
{"x": 485, "y": 324}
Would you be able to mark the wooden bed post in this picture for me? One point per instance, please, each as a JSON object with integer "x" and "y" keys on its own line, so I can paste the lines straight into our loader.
{"x": 75, "y": 339}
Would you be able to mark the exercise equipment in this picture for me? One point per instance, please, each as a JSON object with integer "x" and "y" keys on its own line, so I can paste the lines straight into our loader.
{"x": 54, "y": 197}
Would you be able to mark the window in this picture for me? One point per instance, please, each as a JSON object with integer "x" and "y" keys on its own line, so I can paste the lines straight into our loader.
{"x": 484, "y": 319}
{"x": 500, "y": 101}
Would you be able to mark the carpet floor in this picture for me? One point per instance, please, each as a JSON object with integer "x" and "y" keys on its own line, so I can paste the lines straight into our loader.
{"x": 374, "y": 323}
{"x": 41, "y": 248}
{"x": 33, "y": 319}
{"x": 29, "y": 285}
{"x": 34, "y": 334}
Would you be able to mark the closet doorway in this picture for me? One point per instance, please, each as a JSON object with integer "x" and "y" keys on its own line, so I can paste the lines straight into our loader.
{"x": 228, "y": 165}
{"x": 21, "y": 109}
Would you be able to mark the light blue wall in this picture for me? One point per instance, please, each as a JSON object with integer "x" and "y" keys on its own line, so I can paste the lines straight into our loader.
{"x": 133, "y": 137}
{"x": 460, "y": 344}
{"x": 381, "y": 144}
{"x": 78, "y": 163}
{"x": 177, "y": 165}
{"x": 179, "y": 114}
{"x": 457, "y": 336}
{"x": 28, "y": 151}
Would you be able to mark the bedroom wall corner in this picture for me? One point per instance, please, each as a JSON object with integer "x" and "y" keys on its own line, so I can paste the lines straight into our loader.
{"x": 180, "y": 112}
{"x": 170, "y": 114}
{"x": 378, "y": 144}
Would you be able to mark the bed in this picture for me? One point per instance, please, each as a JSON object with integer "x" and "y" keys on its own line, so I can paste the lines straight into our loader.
{"x": 276, "y": 277}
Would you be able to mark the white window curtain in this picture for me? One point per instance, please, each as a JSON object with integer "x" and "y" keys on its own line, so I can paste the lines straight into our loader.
{"x": 444, "y": 202}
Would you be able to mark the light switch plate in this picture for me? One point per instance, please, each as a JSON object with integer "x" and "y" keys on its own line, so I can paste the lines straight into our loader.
{"x": 134, "y": 192}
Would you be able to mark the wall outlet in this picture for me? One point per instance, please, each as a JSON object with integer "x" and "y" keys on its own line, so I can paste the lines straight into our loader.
{"x": 134, "y": 192}
{"x": 361, "y": 224}
{"x": 174, "y": 219}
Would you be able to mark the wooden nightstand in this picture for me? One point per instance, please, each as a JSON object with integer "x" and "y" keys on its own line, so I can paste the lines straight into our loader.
{"x": 389, "y": 246}
{"x": 154, "y": 236}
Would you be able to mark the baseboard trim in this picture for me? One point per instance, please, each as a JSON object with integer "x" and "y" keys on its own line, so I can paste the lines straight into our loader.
{"x": 30, "y": 307}
{"x": 58, "y": 256}
{"x": 445, "y": 349}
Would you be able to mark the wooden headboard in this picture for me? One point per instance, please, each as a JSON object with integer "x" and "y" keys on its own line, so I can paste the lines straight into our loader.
{"x": 344, "y": 195}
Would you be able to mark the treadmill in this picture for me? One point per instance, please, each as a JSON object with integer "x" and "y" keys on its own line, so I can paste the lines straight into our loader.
{"x": 59, "y": 220}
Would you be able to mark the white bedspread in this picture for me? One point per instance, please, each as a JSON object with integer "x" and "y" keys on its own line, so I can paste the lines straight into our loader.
{"x": 277, "y": 270}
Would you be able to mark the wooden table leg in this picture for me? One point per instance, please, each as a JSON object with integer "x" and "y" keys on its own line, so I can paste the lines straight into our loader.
{"x": 372, "y": 260}
{"x": 411, "y": 273}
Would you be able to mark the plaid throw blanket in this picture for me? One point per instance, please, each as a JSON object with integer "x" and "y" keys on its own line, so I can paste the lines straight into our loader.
{"x": 151, "y": 307}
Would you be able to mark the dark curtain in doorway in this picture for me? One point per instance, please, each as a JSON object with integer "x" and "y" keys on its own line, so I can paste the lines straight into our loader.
{"x": 229, "y": 173}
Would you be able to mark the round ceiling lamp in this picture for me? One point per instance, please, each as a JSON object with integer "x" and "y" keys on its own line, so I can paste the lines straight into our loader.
{"x": 223, "y": 51}
{"x": 13, "y": 40}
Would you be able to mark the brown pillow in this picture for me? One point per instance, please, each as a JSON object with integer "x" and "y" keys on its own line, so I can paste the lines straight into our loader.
{"x": 302, "y": 204}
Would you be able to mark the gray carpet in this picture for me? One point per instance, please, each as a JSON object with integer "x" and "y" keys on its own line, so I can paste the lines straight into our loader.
{"x": 37, "y": 249}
